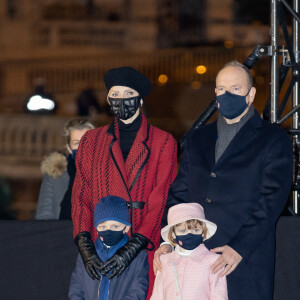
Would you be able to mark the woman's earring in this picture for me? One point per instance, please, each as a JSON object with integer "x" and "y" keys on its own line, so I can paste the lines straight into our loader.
{"x": 142, "y": 102}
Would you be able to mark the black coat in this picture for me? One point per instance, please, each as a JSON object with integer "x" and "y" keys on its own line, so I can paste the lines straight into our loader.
{"x": 243, "y": 193}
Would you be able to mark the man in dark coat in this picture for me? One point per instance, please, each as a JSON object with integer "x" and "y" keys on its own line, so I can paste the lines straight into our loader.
{"x": 240, "y": 170}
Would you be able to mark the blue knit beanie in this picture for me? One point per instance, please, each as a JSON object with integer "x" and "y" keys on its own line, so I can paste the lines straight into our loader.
{"x": 111, "y": 208}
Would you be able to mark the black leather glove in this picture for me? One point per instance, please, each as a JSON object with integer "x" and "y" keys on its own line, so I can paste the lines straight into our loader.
{"x": 88, "y": 253}
{"x": 124, "y": 256}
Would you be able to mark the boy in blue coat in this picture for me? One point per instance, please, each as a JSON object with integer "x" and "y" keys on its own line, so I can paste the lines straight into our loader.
{"x": 111, "y": 219}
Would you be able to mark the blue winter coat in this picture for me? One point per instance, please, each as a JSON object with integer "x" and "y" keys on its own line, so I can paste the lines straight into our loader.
{"x": 131, "y": 285}
{"x": 243, "y": 193}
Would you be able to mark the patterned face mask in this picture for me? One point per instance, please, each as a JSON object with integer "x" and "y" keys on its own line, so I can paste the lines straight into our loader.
{"x": 125, "y": 108}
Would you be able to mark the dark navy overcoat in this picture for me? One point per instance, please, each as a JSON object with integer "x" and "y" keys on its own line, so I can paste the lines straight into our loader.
{"x": 243, "y": 193}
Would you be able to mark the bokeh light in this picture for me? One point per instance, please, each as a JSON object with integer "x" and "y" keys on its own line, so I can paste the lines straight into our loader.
{"x": 162, "y": 79}
{"x": 201, "y": 69}
{"x": 228, "y": 44}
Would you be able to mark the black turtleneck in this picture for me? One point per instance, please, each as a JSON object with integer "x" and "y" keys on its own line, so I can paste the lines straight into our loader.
{"x": 128, "y": 133}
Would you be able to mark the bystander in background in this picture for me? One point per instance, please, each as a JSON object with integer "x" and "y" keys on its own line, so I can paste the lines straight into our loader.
{"x": 59, "y": 173}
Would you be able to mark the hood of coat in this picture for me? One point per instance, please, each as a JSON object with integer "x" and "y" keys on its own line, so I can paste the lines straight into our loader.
{"x": 55, "y": 164}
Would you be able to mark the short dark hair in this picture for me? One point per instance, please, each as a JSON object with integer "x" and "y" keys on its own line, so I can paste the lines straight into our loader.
{"x": 236, "y": 64}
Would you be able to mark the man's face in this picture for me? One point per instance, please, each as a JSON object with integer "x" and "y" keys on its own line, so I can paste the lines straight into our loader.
{"x": 234, "y": 80}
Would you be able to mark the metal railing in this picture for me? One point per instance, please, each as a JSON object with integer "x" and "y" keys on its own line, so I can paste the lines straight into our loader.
{"x": 30, "y": 137}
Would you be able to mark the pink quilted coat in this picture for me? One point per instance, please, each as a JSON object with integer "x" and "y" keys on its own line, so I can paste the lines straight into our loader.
{"x": 195, "y": 280}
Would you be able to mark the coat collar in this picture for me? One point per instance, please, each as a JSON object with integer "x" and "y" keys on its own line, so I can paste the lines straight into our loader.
{"x": 175, "y": 257}
{"x": 137, "y": 157}
{"x": 243, "y": 135}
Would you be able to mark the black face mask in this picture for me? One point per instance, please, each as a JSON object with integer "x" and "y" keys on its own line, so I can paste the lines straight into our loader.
{"x": 111, "y": 237}
{"x": 189, "y": 241}
{"x": 125, "y": 108}
{"x": 232, "y": 105}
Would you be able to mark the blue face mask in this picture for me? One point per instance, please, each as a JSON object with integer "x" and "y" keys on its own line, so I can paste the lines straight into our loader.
{"x": 189, "y": 241}
{"x": 111, "y": 237}
{"x": 232, "y": 105}
{"x": 74, "y": 153}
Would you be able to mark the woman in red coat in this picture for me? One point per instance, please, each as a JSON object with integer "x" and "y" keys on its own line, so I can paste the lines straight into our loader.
{"x": 130, "y": 159}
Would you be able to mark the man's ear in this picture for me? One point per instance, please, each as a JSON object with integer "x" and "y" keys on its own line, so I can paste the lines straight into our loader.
{"x": 251, "y": 95}
{"x": 126, "y": 229}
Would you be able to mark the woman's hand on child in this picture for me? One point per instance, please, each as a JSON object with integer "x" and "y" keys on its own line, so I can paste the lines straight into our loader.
{"x": 163, "y": 249}
{"x": 229, "y": 260}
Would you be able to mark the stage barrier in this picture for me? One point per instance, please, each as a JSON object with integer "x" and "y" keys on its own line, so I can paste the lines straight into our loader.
{"x": 37, "y": 259}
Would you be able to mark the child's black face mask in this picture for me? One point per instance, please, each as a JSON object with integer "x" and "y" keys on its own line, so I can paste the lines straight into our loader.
{"x": 111, "y": 237}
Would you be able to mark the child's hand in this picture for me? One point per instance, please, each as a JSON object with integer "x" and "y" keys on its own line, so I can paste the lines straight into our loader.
{"x": 164, "y": 249}
{"x": 229, "y": 260}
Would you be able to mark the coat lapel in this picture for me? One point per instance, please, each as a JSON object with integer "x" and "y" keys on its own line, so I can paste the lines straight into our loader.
{"x": 115, "y": 151}
{"x": 138, "y": 155}
{"x": 242, "y": 137}
{"x": 210, "y": 144}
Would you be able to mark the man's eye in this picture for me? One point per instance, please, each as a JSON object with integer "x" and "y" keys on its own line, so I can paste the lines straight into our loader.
{"x": 182, "y": 231}
{"x": 114, "y": 94}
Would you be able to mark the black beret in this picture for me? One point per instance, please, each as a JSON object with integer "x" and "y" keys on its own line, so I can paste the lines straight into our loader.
{"x": 127, "y": 76}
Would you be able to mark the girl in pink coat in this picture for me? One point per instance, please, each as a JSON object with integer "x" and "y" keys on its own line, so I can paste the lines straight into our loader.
{"x": 186, "y": 273}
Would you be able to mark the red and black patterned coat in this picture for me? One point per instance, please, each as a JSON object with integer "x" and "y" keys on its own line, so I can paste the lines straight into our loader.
{"x": 146, "y": 176}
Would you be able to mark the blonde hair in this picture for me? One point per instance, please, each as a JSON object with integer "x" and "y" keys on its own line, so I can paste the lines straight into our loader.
{"x": 76, "y": 124}
{"x": 190, "y": 224}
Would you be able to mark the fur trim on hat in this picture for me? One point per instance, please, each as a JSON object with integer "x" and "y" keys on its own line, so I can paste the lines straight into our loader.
{"x": 54, "y": 165}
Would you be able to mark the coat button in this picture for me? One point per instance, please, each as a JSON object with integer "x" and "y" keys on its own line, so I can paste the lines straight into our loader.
{"x": 208, "y": 200}
{"x": 213, "y": 175}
